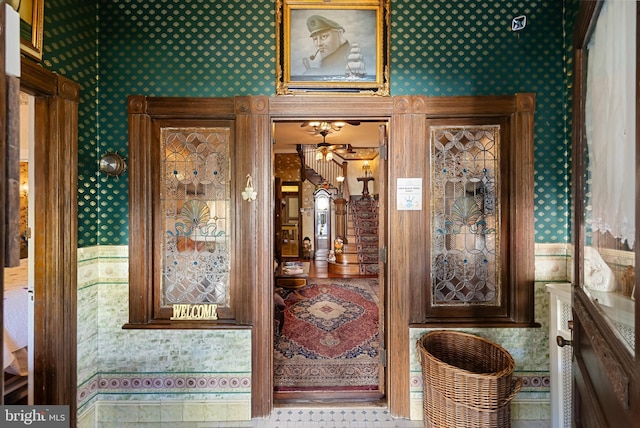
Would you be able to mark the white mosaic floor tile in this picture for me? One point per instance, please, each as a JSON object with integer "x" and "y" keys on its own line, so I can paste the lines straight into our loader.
{"x": 340, "y": 418}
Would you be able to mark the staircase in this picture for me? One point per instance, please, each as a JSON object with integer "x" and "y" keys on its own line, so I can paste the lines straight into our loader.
{"x": 360, "y": 254}
{"x": 360, "y": 251}
{"x": 319, "y": 171}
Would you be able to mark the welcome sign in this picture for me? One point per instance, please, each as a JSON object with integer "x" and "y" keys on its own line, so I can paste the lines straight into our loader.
{"x": 196, "y": 311}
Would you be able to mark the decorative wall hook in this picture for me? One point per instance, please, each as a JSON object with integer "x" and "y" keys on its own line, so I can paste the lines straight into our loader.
{"x": 249, "y": 194}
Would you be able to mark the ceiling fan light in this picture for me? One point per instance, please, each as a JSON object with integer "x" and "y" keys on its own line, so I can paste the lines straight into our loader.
{"x": 329, "y": 157}
{"x": 339, "y": 125}
{"x": 325, "y": 126}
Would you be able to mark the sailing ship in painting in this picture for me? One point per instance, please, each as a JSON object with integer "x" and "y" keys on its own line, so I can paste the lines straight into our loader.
{"x": 355, "y": 64}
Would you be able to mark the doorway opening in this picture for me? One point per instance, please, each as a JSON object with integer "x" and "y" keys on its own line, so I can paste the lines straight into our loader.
{"x": 54, "y": 236}
{"x": 328, "y": 274}
{"x": 18, "y": 280}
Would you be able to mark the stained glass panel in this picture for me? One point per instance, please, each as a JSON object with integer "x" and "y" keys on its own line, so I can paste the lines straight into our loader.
{"x": 196, "y": 210}
{"x": 465, "y": 215}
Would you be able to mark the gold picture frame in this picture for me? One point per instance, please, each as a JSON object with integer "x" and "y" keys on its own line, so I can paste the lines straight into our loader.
{"x": 332, "y": 47}
{"x": 31, "y": 26}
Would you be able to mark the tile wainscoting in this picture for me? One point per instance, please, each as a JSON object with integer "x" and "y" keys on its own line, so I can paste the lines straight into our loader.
{"x": 528, "y": 346}
{"x": 124, "y": 375}
{"x": 205, "y": 376}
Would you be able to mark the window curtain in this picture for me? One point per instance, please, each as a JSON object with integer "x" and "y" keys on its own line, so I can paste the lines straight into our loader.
{"x": 610, "y": 121}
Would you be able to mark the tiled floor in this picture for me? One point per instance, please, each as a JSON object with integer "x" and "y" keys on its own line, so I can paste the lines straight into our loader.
{"x": 342, "y": 418}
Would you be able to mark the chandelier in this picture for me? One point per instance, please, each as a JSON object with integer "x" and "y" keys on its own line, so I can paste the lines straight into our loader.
{"x": 323, "y": 128}
{"x": 324, "y": 153}
{"x": 324, "y": 150}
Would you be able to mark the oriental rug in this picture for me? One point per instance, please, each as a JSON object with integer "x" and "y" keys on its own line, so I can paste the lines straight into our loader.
{"x": 329, "y": 341}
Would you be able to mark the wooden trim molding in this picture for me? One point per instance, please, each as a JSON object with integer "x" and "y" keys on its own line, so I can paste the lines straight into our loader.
{"x": 253, "y": 119}
{"x": 612, "y": 365}
{"x": 147, "y": 117}
{"x": 55, "y": 234}
{"x": 606, "y": 375}
{"x": 255, "y": 255}
{"x": 515, "y": 116}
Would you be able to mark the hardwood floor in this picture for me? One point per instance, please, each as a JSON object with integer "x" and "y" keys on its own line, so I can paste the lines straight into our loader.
{"x": 319, "y": 269}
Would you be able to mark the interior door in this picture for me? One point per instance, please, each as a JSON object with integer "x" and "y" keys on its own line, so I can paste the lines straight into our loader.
{"x": 605, "y": 369}
{"x": 291, "y": 194}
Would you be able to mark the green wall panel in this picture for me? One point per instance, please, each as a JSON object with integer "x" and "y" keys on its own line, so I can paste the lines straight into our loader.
{"x": 227, "y": 48}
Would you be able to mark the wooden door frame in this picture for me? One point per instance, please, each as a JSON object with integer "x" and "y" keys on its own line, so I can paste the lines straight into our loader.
{"x": 405, "y": 116}
{"x": 602, "y": 366}
{"x": 407, "y": 156}
{"x": 55, "y": 234}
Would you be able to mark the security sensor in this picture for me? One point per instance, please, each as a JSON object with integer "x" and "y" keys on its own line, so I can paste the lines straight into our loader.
{"x": 518, "y": 23}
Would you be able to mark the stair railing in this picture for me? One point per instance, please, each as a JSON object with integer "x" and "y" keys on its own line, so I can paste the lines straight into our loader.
{"x": 328, "y": 171}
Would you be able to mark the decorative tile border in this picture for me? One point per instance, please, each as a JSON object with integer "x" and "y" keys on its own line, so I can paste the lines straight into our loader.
{"x": 531, "y": 382}
{"x": 102, "y": 264}
{"x": 172, "y": 383}
{"x": 539, "y": 382}
{"x": 86, "y": 392}
{"x": 164, "y": 384}
{"x": 552, "y": 262}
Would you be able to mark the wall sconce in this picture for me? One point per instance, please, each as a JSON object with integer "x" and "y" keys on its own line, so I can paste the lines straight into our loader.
{"x": 249, "y": 194}
{"x": 112, "y": 164}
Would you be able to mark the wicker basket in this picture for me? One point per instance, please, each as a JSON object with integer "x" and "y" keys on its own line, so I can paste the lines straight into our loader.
{"x": 442, "y": 412}
{"x": 467, "y": 380}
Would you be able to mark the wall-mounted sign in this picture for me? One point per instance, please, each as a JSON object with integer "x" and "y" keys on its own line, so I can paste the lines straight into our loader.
{"x": 409, "y": 194}
{"x": 196, "y": 311}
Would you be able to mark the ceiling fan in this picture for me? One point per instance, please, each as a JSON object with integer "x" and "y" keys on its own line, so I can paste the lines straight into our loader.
{"x": 324, "y": 128}
{"x": 325, "y": 150}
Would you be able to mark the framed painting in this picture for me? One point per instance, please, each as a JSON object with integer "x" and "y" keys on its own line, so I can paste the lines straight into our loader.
{"x": 31, "y": 26}
{"x": 332, "y": 47}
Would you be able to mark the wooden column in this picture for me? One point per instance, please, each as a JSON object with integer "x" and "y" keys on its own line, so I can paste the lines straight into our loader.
{"x": 341, "y": 218}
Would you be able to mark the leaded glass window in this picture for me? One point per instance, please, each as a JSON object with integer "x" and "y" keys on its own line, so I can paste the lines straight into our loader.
{"x": 465, "y": 215}
{"x": 195, "y": 201}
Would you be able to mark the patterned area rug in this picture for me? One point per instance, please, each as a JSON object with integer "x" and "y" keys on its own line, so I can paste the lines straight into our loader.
{"x": 330, "y": 338}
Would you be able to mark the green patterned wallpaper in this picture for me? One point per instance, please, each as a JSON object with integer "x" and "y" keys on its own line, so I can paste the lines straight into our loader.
{"x": 465, "y": 47}
{"x": 70, "y": 34}
{"x": 227, "y": 48}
